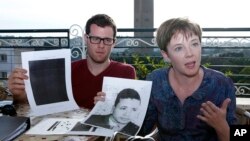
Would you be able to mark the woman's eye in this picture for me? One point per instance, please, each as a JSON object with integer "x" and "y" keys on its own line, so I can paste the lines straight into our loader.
{"x": 196, "y": 44}
{"x": 178, "y": 48}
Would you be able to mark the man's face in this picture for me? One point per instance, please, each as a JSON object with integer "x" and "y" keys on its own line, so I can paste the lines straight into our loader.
{"x": 125, "y": 109}
{"x": 99, "y": 53}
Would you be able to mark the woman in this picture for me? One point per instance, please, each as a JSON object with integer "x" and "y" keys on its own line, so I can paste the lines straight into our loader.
{"x": 188, "y": 101}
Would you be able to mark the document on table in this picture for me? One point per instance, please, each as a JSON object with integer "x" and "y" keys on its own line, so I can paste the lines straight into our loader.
{"x": 66, "y": 126}
{"x": 48, "y": 88}
{"x": 53, "y": 126}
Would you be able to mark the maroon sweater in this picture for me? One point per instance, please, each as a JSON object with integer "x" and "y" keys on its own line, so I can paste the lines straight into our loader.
{"x": 85, "y": 85}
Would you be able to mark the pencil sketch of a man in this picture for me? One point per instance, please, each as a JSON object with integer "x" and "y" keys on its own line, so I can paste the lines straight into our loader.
{"x": 126, "y": 105}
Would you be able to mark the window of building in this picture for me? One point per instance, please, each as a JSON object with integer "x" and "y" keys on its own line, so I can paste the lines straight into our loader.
{"x": 3, "y": 57}
{"x": 3, "y": 74}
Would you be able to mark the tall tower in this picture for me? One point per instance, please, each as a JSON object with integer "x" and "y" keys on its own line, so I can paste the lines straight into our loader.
{"x": 144, "y": 15}
{"x": 144, "y": 19}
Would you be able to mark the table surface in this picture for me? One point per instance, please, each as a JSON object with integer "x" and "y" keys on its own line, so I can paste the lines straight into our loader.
{"x": 24, "y": 110}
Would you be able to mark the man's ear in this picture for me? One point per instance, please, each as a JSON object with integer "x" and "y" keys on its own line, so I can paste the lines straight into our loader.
{"x": 165, "y": 56}
{"x": 113, "y": 46}
{"x": 85, "y": 38}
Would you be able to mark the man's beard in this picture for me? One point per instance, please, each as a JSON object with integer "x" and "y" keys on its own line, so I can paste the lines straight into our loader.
{"x": 98, "y": 61}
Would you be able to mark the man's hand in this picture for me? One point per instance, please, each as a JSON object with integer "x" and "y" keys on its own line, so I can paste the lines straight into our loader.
{"x": 99, "y": 97}
{"x": 16, "y": 84}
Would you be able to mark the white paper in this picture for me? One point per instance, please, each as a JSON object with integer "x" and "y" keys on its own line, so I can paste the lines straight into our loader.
{"x": 76, "y": 126}
{"x": 49, "y": 88}
{"x": 52, "y": 126}
{"x": 72, "y": 126}
{"x": 112, "y": 86}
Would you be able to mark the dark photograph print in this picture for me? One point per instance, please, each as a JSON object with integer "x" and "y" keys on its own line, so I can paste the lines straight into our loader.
{"x": 47, "y": 78}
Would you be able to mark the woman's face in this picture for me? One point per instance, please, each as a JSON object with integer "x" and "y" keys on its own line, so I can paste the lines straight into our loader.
{"x": 125, "y": 109}
{"x": 184, "y": 53}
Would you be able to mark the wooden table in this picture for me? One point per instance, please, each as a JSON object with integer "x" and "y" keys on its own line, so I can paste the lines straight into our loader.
{"x": 24, "y": 110}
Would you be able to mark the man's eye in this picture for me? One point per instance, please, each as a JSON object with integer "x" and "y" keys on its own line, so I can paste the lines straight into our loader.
{"x": 123, "y": 108}
{"x": 108, "y": 40}
{"x": 95, "y": 38}
{"x": 134, "y": 109}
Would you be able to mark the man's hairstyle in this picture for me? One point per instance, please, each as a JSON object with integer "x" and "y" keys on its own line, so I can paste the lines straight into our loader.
{"x": 101, "y": 20}
{"x": 127, "y": 93}
{"x": 176, "y": 25}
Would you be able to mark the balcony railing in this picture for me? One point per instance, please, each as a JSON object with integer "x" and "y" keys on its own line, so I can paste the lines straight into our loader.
{"x": 224, "y": 49}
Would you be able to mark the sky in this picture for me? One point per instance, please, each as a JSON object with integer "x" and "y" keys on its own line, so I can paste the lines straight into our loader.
{"x": 56, "y": 14}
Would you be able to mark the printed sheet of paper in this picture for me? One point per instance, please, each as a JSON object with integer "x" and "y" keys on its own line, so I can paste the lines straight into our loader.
{"x": 49, "y": 88}
{"x": 127, "y": 114}
{"x": 111, "y": 86}
{"x": 52, "y": 126}
{"x": 67, "y": 126}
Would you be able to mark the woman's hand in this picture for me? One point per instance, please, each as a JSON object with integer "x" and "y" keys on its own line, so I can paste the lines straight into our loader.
{"x": 216, "y": 117}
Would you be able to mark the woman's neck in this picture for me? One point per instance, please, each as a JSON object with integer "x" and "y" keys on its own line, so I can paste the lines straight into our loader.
{"x": 184, "y": 86}
{"x": 184, "y": 80}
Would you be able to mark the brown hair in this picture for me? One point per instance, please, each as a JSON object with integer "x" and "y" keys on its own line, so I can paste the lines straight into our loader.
{"x": 101, "y": 20}
{"x": 176, "y": 25}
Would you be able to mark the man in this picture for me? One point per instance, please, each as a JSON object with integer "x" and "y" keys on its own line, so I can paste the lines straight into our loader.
{"x": 87, "y": 74}
{"x": 125, "y": 107}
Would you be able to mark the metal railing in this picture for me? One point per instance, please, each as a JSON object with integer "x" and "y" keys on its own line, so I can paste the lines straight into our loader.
{"x": 223, "y": 49}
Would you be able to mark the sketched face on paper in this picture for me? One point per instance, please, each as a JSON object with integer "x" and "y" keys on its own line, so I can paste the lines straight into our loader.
{"x": 125, "y": 109}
